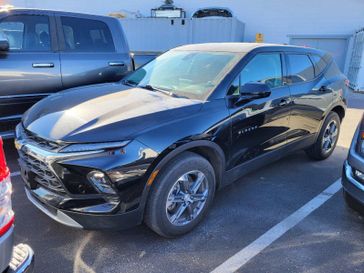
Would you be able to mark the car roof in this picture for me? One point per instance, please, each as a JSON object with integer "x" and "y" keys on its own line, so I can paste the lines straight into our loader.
{"x": 246, "y": 47}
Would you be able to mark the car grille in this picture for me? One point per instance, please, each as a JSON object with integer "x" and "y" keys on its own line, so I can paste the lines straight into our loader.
{"x": 42, "y": 174}
{"x": 40, "y": 142}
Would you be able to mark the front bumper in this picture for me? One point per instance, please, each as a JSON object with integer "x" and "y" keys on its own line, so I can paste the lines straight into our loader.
{"x": 73, "y": 219}
{"x": 351, "y": 185}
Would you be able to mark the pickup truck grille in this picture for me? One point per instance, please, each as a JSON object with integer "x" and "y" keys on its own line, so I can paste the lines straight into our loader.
{"x": 40, "y": 172}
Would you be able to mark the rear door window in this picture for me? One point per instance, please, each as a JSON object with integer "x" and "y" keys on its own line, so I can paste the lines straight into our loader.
{"x": 85, "y": 35}
{"x": 301, "y": 69}
{"x": 27, "y": 32}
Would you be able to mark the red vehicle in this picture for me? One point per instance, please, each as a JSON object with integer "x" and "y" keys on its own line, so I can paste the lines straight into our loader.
{"x": 17, "y": 259}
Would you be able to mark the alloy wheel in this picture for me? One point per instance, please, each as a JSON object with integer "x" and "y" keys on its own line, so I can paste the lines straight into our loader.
{"x": 187, "y": 198}
{"x": 330, "y": 136}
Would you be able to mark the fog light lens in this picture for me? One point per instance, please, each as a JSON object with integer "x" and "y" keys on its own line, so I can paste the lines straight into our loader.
{"x": 359, "y": 175}
{"x": 101, "y": 182}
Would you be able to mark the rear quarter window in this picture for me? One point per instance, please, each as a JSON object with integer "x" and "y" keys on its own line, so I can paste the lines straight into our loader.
{"x": 318, "y": 63}
{"x": 333, "y": 71}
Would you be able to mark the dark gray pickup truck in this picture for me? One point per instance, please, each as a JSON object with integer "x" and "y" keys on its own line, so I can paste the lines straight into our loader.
{"x": 42, "y": 52}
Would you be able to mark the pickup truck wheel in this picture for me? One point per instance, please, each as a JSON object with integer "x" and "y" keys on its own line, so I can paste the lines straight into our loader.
{"x": 181, "y": 195}
{"x": 327, "y": 139}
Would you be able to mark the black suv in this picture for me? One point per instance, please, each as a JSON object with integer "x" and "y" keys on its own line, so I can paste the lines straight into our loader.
{"x": 156, "y": 146}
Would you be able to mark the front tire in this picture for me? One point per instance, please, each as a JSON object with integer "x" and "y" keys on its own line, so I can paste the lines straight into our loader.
{"x": 327, "y": 139}
{"x": 181, "y": 195}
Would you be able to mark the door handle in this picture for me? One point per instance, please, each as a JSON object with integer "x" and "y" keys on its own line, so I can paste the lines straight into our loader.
{"x": 284, "y": 102}
{"x": 116, "y": 64}
{"x": 43, "y": 65}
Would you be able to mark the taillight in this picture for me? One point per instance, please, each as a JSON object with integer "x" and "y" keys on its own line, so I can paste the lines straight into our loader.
{"x": 6, "y": 211}
{"x": 4, "y": 170}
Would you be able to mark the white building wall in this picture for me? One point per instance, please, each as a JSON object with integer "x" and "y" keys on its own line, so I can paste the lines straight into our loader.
{"x": 159, "y": 35}
{"x": 274, "y": 18}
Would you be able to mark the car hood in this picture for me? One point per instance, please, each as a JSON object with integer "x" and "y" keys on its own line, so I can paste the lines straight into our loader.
{"x": 106, "y": 112}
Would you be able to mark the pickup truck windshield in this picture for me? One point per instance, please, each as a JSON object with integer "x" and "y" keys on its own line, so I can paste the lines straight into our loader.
{"x": 189, "y": 74}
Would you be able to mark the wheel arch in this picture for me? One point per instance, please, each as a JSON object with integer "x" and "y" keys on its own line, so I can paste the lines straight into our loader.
{"x": 205, "y": 148}
{"x": 337, "y": 108}
{"x": 340, "y": 110}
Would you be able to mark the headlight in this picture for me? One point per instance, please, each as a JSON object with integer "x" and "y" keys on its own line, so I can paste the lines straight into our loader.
{"x": 18, "y": 130}
{"x": 74, "y": 148}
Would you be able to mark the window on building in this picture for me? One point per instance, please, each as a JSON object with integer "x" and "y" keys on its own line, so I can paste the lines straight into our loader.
{"x": 27, "y": 32}
{"x": 84, "y": 35}
{"x": 265, "y": 68}
{"x": 301, "y": 68}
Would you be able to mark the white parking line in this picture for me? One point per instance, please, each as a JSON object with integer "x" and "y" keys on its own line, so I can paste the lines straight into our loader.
{"x": 13, "y": 174}
{"x": 246, "y": 254}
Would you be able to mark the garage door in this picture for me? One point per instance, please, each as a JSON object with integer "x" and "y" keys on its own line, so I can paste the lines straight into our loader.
{"x": 337, "y": 47}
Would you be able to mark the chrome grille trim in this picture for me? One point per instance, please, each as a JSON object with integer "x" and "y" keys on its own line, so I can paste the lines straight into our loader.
{"x": 41, "y": 163}
{"x": 43, "y": 174}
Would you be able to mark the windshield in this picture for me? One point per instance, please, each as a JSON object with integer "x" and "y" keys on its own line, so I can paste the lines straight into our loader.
{"x": 189, "y": 74}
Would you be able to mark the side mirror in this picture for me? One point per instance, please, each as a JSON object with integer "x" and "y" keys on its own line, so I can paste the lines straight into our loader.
{"x": 254, "y": 90}
{"x": 4, "y": 43}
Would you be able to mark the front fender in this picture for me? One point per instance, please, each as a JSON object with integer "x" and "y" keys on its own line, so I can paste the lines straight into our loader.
{"x": 210, "y": 150}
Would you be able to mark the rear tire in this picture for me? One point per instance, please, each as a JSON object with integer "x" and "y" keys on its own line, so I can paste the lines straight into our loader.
{"x": 181, "y": 195}
{"x": 327, "y": 139}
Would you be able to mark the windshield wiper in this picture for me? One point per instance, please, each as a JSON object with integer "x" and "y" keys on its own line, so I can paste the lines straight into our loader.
{"x": 164, "y": 91}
